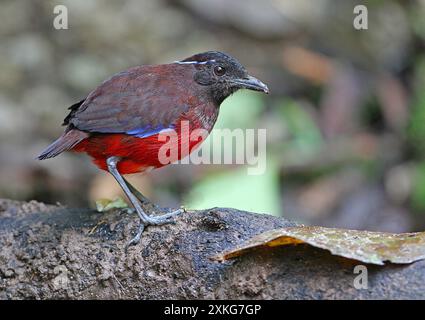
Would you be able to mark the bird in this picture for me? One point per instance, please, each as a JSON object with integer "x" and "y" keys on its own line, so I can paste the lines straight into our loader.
{"x": 120, "y": 122}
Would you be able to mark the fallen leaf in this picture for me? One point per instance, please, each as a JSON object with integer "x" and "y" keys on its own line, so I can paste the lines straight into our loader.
{"x": 365, "y": 246}
{"x": 103, "y": 205}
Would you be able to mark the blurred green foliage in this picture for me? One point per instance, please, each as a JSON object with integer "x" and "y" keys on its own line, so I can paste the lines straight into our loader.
{"x": 234, "y": 187}
{"x": 416, "y": 129}
{"x": 305, "y": 136}
{"x": 241, "y": 110}
{"x": 416, "y": 136}
{"x": 237, "y": 189}
{"x": 418, "y": 193}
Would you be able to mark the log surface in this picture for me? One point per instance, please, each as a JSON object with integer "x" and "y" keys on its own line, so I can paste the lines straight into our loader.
{"x": 51, "y": 252}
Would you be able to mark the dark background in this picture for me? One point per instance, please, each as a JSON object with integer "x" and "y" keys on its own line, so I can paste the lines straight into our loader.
{"x": 345, "y": 118}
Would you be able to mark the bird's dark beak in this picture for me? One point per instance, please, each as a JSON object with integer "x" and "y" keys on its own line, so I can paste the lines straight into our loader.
{"x": 251, "y": 83}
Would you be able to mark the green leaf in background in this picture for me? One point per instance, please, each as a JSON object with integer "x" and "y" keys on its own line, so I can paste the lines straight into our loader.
{"x": 241, "y": 110}
{"x": 418, "y": 192}
{"x": 416, "y": 129}
{"x": 237, "y": 113}
{"x": 103, "y": 205}
{"x": 416, "y": 136}
{"x": 237, "y": 189}
{"x": 306, "y": 136}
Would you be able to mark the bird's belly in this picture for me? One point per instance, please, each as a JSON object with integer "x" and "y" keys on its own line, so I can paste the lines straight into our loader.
{"x": 141, "y": 154}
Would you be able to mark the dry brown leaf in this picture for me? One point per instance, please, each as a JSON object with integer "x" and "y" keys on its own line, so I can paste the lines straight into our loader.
{"x": 365, "y": 246}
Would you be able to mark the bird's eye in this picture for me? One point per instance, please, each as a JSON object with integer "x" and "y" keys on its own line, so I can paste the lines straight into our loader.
{"x": 219, "y": 70}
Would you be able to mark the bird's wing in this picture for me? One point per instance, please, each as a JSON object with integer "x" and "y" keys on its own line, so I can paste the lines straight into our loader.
{"x": 140, "y": 101}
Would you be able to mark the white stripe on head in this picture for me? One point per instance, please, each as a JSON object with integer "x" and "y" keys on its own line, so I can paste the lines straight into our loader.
{"x": 194, "y": 62}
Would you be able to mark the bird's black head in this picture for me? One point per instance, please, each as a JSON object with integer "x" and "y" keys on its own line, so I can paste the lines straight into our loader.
{"x": 223, "y": 74}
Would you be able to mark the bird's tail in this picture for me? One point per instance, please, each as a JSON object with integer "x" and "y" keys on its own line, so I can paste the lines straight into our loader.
{"x": 66, "y": 141}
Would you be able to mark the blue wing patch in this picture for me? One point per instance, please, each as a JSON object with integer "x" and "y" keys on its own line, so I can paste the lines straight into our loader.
{"x": 147, "y": 131}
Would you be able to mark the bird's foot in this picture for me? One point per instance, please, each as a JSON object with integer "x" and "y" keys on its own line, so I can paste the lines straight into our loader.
{"x": 166, "y": 217}
{"x": 154, "y": 221}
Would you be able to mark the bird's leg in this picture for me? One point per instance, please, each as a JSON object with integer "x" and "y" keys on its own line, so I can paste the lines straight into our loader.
{"x": 147, "y": 205}
{"x": 145, "y": 220}
{"x": 145, "y": 202}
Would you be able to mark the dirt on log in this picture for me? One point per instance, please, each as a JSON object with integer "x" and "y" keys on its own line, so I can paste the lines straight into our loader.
{"x": 55, "y": 252}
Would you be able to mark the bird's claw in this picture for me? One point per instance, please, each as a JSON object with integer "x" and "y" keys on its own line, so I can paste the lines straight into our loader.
{"x": 136, "y": 238}
{"x": 155, "y": 221}
{"x": 171, "y": 214}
